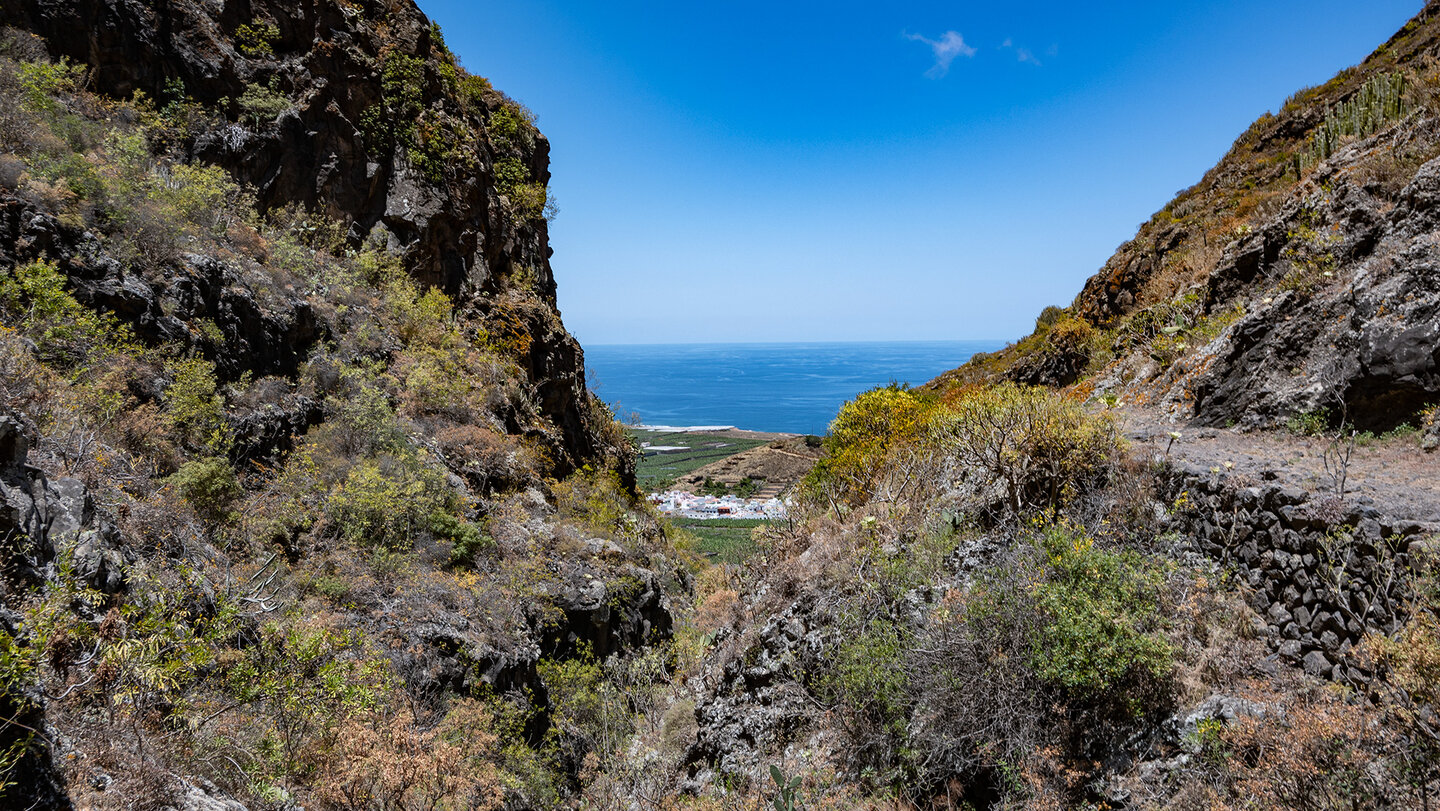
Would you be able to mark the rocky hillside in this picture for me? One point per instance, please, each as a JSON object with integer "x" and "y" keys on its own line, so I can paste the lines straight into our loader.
{"x": 1176, "y": 549}
{"x": 1298, "y": 277}
{"x": 304, "y": 504}
{"x": 359, "y": 114}
{"x": 303, "y": 499}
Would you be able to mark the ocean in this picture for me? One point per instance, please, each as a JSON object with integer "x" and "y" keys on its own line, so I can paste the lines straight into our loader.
{"x": 781, "y": 387}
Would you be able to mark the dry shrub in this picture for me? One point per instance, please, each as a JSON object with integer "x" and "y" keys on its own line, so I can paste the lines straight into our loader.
{"x": 115, "y": 777}
{"x": 1386, "y": 171}
{"x": 1124, "y": 508}
{"x": 393, "y": 764}
{"x": 718, "y": 610}
{"x": 1217, "y": 639}
{"x": 25, "y": 383}
{"x": 490, "y": 461}
{"x": 162, "y": 522}
{"x": 144, "y": 432}
{"x": 1316, "y": 749}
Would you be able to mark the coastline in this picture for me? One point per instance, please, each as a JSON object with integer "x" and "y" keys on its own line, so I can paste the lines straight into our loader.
{"x": 722, "y": 431}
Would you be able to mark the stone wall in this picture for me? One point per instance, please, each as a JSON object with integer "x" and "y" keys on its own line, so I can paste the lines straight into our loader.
{"x": 1321, "y": 571}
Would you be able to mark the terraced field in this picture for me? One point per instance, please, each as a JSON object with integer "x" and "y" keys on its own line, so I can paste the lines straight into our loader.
{"x": 657, "y": 471}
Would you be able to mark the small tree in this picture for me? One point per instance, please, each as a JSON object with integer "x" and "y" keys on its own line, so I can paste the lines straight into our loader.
{"x": 1039, "y": 446}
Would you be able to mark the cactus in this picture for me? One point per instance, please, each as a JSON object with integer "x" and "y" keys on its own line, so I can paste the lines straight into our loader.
{"x": 1378, "y": 102}
{"x": 787, "y": 791}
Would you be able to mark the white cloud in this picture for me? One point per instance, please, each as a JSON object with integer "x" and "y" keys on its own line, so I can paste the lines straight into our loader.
{"x": 949, "y": 46}
{"x": 1022, "y": 54}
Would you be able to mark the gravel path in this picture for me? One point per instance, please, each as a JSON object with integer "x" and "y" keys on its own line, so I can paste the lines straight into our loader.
{"x": 1399, "y": 478}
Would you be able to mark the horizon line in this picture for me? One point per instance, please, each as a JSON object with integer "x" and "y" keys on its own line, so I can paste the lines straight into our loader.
{"x": 1002, "y": 341}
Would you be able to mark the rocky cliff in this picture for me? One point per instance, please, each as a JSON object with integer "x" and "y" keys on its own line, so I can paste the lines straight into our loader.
{"x": 303, "y": 498}
{"x": 1297, "y": 277}
{"x": 356, "y": 112}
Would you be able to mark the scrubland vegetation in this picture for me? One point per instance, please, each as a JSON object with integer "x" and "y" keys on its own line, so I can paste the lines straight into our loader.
{"x": 977, "y": 653}
{"x": 258, "y": 632}
{"x": 330, "y": 548}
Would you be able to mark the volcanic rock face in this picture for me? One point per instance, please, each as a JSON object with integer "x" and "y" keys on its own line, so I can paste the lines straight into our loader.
{"x": 327, "y": 59}
{"x": 43, "y": 521}
{"x": 1297, "y": 277}
{"x": 168, "y": 369}
{"x": 1365, "y": 341}
{"x": 50, "y": 518}
{"x": 308, "y": 97}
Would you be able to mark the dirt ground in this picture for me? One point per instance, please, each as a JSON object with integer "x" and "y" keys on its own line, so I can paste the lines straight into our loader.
{"x": 780, "y": 464}
{"x": 1402, "y": 480}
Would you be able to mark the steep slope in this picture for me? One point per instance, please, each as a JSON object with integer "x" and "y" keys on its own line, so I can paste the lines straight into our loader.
{"x": 1025, "y": 586}
{"x": 358, "y": 112}
{"x": 1297, "y": 277}
{"x": 303, "y": 499}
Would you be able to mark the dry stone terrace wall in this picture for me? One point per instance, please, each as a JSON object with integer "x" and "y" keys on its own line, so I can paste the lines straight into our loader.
{"x": 1320, "y": 571}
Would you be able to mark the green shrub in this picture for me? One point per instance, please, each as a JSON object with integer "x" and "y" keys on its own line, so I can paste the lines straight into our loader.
{"x": 19, "y": 663}
{"x": 512, "y": 127}
{"x": 209, "y": 486}
{"x": 34, "y": 300}
{"x": 42, "y": 82}
{"x": 260, "y": 104}
{"x": 78, "y": 174}
{"x": 1100, "y": 621}
{"x": 527, "y": 199}
{"x": 392, "y": 121}
{"x": 1057, "y": 648}
{"x": 590, "y": 712}
{"x": 472, "y": 90}
{"x": 387, "y": 503}
{"x": 331, "y": 587}
{"x": 303, "y": 685}
{"x": 362, "y": 423}
{"x": 532, "y": 201}
{"x": 869, "y": 677}
{"x": 424, "y": 317}
{"x": 257, "y": 39}
{"x": 1048, "y": 316}
{"x": 128, "y": 175}
{"x": 467, "y": 541}
{"x": 193, "y": 408}
{"x": 202, "y": 196}
{"x": 435, "y": 383}
{"x": 1309, "y": 423}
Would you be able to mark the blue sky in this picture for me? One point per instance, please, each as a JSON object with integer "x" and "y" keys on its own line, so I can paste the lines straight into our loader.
{"x": 806, "y": 171}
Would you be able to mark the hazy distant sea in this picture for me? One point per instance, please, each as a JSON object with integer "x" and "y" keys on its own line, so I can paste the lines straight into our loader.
{"x": 792, "y": 387}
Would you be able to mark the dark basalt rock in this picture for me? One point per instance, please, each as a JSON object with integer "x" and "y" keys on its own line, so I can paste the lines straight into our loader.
{"x": 1363, "y": 341}
{"x": 269, "y": 433}
{"x": 1275, "y": 536}
{"x": 448, "y": 655}
{"x": 44, "y": 519}
{"x": 457, "y": 234}
{"x": 609, "y": 616}
{"x": 40, "y": 521}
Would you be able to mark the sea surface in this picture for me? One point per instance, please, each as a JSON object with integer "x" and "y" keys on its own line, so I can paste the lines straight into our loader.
{"x": 789, "y": 387}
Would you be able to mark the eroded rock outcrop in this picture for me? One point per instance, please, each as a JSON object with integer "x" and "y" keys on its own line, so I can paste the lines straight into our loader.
{"x": 44, "y": 524}
{"x": 1356, "y": 332}
{"x": 301, "y": 103}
